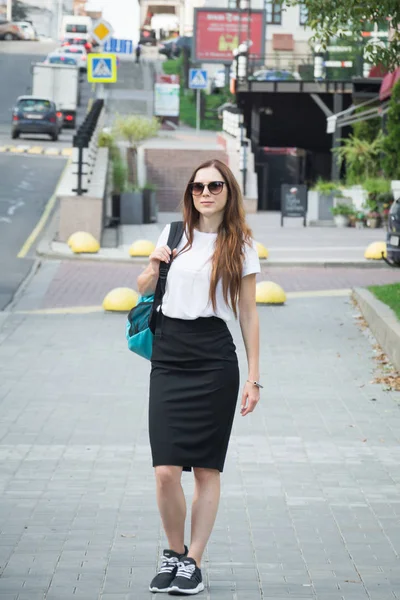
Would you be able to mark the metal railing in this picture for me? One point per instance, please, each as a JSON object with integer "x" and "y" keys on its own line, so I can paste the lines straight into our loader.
{"x": 85, "y": 146}
{"x": 300, "y": 64}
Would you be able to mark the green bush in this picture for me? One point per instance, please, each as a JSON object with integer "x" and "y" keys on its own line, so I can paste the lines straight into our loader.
{"x": 325, "y": 187}
{"x": 391, "y": 141}
{"x": 343, "y": 209}
{"x": 119, "y": 175}
{"x": 173, "y": 66}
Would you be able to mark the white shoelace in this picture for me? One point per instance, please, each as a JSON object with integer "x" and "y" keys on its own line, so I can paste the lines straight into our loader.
{"x": 185, "y": 570}
{"x": 169, "y": 564}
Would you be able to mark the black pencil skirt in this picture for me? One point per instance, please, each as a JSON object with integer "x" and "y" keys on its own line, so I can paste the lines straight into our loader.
{"x": 194, "y": 386}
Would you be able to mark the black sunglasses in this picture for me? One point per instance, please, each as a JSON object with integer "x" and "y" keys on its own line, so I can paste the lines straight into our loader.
{"x": 214, "y": 187}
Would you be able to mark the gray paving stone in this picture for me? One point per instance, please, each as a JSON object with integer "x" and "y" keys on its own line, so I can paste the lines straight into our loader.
{"x": 306, "y": 500}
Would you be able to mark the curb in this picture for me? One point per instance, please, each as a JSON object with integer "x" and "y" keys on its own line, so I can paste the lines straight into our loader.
{"x": 383, "y": 323}
{"x": 44, "y": 250}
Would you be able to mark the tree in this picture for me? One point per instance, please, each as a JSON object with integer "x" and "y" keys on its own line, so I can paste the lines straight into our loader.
{"x": 135, "y": 129}
{"x": 19, "y": 11}
{"x": 391, "y": 141}
{"x": 331, "y": 19}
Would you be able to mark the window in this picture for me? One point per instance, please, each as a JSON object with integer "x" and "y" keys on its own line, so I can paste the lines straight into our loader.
{"x": 274, "y": 12}
{"x": 303, "y": 14}
{"x": 34, "y": 105}
{"x": 73, "y": 28}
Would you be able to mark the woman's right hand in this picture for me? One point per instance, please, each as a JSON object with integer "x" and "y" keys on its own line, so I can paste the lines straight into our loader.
{"x": 163, "y": 253}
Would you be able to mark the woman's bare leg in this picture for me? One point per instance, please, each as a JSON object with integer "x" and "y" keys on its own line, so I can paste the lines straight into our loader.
{"x": 172, "y": 505}
{"x": 204, "y": 510}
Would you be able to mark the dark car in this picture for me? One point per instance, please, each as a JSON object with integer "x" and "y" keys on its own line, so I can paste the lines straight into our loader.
{"x": 393, "y": 233}
{"x": 32, "y": 114}
{"x": 184, "y": 41}
{"x": 166, "y": 48}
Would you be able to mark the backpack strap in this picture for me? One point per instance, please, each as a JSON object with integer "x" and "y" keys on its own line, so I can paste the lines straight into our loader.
{"x": 174, "y": 237}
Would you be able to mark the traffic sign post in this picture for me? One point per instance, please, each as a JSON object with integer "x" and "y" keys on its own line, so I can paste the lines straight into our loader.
{"x": 102, "y": 31}
{"x": 198, "y": 80}
{"x": 102, "y": 68}
{"x": 118, "y": 46}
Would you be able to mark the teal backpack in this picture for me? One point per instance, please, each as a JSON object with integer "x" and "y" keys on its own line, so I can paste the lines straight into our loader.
{"x": 142, "y": 320}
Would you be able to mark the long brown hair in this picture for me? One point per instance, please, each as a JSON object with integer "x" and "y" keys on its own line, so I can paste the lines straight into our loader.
{"x": 233, "y": 234}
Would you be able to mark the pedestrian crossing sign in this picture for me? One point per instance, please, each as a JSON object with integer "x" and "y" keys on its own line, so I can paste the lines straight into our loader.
{"x": 198, "y": 79}
{"x": 102, "y": 68}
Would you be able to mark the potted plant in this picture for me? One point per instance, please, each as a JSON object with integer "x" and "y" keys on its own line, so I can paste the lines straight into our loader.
{"x": 135, "y": 129}
{"x": 373, "y": 219}
{"x": 321, "y": 198}
{"x": 341, "y": 214}
{"x": 359, "y": 220}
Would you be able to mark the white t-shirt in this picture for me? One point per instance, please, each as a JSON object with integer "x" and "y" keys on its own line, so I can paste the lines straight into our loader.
{"x": 187, "y": 294}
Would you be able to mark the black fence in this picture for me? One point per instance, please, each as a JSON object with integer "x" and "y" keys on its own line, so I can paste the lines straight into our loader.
{"x": 85, "y": 141}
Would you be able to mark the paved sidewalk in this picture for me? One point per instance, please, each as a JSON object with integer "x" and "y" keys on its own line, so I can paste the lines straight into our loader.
{"x": 292, "y": 244}
{"x": 310, "y": 506}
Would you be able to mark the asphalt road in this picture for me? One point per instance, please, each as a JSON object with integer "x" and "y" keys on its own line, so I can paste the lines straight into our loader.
{"x": 27, "y": 183}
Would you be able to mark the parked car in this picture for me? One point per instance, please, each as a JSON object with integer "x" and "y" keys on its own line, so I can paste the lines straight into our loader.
{"x": 78, "y": 42}
{"x": 173, "y": 47}
{"x": 274, "y": 75}
{"x": 77, "y": 51}
{"x": 61, "y": 59}
{"x": 166, "y": 47}
{"x": 393, "y": 233}
{"x": 181, "y": 42}
{"x": 32, "y": 114}
{"x": 10, "y": 31}
{"x": 27, "y": 29}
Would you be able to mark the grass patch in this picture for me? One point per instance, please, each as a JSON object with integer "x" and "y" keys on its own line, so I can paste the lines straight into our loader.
{"x": 389, "y": 294}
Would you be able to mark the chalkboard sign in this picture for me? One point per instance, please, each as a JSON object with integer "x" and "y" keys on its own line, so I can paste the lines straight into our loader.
{"x": 293, "y": 201}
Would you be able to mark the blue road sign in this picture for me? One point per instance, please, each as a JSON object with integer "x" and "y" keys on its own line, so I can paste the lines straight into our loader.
{"x": 119, "y": 46}
{"x": 198, "y": 79}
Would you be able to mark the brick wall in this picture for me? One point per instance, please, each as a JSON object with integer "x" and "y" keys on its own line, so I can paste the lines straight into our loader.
{"x": 170, "y": 170}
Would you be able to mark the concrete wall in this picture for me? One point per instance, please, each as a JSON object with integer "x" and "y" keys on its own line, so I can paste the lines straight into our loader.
{"x": 170, "y": 171}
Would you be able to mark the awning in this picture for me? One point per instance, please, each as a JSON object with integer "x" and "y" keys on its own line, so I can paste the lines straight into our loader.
{"x": 388, "y": 83}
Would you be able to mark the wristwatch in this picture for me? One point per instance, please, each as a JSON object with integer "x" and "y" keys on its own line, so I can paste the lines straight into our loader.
{"x": 256, "y": 383}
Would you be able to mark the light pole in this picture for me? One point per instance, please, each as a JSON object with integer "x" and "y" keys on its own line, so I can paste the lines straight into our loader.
{"x": 9, "y": 10}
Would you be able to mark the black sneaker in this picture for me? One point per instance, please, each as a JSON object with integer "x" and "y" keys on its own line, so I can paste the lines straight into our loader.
{"x": 169, "y": 566}
{"x": 188, "y": 580}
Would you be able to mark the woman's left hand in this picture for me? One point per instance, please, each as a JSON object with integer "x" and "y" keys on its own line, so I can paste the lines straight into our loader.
{"x": 250, "y": 398}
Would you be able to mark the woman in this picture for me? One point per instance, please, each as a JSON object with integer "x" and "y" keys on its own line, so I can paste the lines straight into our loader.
{"x": 194, "y": 378}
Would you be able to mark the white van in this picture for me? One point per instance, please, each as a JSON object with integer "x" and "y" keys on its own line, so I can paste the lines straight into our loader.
{"x": 76, "y": 27}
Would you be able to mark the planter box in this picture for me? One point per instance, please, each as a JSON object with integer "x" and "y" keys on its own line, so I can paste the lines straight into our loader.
{"x": 131, "y": 208}
{"x": 150, "y": 206}
{"x": 318, "y": 209}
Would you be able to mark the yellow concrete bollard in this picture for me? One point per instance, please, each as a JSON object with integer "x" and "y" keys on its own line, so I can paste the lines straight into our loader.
{"x": 141, "y": 248}
{"x": 120, "y": 300}
{"x": 262, "y": 251}
{"x": 83, "y": 242}
{"x": 268, "y": 292}
{"x": 374, "y": 251}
